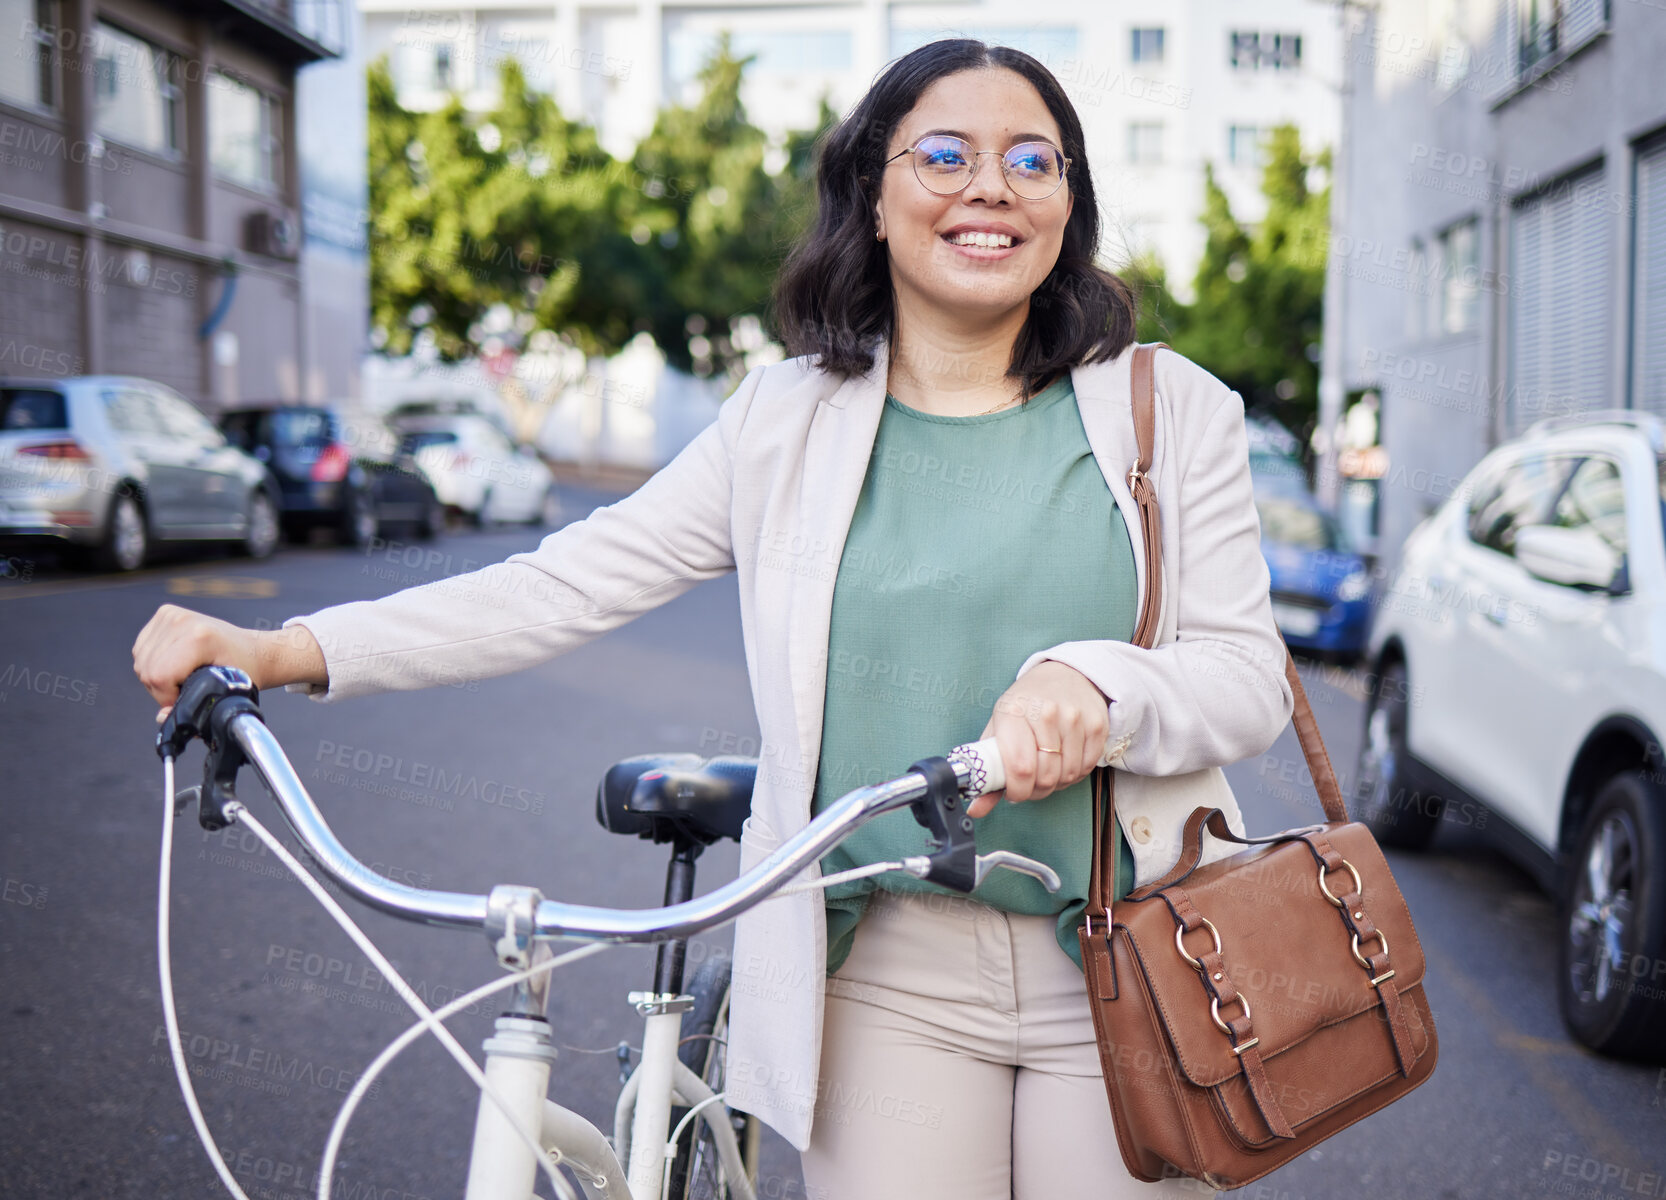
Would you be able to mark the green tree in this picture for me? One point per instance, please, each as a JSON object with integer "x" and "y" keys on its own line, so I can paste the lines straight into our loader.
{"x": 1257, "y": 314}
{"x": 723, "y": 223}
{"x": 513, "y": 212}
{"x": 493, "y": 226}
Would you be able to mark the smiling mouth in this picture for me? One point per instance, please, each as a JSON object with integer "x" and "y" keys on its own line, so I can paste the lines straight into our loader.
{"x": 987, "y": 241}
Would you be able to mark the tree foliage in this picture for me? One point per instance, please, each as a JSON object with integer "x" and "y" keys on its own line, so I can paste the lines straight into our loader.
{"x": 1257, "y": 314}
{"x": 487, "y": 227}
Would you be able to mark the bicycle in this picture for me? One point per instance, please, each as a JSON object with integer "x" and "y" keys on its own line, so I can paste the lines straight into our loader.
{"x": 674, "y": 1137}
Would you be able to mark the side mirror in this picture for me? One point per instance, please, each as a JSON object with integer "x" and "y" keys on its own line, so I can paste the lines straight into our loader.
{"x": 1573, "y": 557}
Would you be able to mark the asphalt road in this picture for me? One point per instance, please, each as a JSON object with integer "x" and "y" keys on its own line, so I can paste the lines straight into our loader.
{"x": 463, "y": 788}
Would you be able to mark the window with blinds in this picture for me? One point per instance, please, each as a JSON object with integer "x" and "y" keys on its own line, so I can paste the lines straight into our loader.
{"x": 1559, "y": 301}
{"x": 1648, "y": 328}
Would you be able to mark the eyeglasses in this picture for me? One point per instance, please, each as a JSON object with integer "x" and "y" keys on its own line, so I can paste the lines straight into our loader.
{"x": 945, "y": 165}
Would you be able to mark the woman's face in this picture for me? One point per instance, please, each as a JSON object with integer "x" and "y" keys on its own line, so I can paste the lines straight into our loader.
{"x": 993, "y": 109}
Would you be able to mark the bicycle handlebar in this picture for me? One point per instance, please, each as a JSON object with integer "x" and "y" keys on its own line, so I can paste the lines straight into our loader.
{"x": 558, "y": 919}
{"x": 228, "y": 719}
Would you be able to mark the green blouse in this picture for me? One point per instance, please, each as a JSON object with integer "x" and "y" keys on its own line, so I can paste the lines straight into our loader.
{"x": 976, "y": 542}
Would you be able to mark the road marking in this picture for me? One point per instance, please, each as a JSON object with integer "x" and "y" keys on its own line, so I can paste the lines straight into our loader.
{"x": 223, "y": 587}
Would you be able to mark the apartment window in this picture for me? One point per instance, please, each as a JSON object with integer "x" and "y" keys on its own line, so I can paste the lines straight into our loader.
{"x": 244, "y": 124}
{"x": 422, "y": 64}
{"x": 26, "y": 74}
{"x": 1547, "y": 29}
{"x": 136, "y": 98}
{"x": 1559, "y": 310}
{"x": 1254, "y": 50}
{"x": 1147, "y": 45}
{"x": 1459, "y": 291}
{"x": 1145, "y": 142}
{"x": 1648, "y": 328}
{"x": 1243, "y": 145}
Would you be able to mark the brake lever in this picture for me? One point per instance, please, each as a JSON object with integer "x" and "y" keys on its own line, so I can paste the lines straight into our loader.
{"x": 1017, "y": 862}
{"x": 920, "y": 866}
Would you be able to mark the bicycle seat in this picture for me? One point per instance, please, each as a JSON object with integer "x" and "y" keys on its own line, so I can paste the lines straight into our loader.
{"x": 662, "y": 797}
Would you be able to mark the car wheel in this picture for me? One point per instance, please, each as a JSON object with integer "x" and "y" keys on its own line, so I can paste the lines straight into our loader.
{"x": 549, "y": 509}
{"x": 260, "y": 536}
{"x": 1392, "y": 802}
{"x": 126, "y": 542}
{"x": 358, "y": 523}
{"x": 1613, "y": 956}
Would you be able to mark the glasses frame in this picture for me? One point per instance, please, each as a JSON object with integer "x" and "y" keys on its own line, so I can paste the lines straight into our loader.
{"x": 1006, "y": 171}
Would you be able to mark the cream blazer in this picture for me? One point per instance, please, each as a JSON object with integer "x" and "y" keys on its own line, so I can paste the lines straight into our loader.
{"x": 768, "y": 491}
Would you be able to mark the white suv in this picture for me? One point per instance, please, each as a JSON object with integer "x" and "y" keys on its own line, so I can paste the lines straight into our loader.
{"x": 1519, "y": 659}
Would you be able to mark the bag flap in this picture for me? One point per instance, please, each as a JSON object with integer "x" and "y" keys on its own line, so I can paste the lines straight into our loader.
{"x": 1285, "y": 946}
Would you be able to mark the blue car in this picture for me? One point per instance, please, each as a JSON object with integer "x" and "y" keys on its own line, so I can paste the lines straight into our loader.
{"x": 1321, "y": 589}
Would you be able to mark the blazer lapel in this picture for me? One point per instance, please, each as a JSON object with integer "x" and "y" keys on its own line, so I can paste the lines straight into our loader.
{"x": 836, "y": 453}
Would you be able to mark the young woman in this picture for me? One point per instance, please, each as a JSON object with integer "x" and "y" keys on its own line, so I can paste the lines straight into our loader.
{"x": 929, "y": 515}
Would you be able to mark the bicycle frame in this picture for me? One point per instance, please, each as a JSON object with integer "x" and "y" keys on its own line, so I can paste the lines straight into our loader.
{"x": 217, "y": 704}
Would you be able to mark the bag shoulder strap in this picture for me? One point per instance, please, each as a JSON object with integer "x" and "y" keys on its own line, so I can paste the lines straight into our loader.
{"x": 1144, "y": 493}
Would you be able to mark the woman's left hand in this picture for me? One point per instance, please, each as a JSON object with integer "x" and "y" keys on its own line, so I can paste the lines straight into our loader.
{"x": 1051, "y": 726}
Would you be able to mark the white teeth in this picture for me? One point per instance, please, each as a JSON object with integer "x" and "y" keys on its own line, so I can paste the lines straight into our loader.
{"x": 990, "y": 240}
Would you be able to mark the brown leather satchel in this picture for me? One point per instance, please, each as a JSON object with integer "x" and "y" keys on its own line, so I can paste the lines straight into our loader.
{"x": 1248, "y": 1009}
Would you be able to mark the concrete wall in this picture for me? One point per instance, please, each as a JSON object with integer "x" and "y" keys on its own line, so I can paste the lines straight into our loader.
{"x": 1441, "y": 129}
{"x": 112, "y": 256}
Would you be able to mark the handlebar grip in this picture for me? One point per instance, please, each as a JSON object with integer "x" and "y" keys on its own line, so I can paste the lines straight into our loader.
{"x": 983, "y": 759}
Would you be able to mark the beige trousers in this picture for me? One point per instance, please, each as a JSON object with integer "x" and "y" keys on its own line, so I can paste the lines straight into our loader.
{"x": 958, "y": 1062}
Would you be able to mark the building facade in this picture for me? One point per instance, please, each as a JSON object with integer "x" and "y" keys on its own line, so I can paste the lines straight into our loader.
{"x": 1162, "y": 86}
{"x": 155, "y": 218}
{"x": 1498, "y": 249}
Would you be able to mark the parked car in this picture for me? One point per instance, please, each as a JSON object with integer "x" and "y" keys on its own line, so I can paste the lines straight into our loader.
{"x": 1321, "y": 588}
{"x": 1275, "y": 454}
{"x": 477, "y": 471}
{"x": 343, "y": 474}
{"x": 108, "y": 465}
{"x": 1519, "y": 672}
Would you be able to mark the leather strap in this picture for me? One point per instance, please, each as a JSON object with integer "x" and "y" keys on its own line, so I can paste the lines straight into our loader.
{"x": 1372, "y": 944}
{"x": 1313, "y": 746}
{"x": 1102, "y": 882}
{"x": 1191, "y": 847}
{"x": 1217, "y": 982}
{"x": 1144, "y": 492}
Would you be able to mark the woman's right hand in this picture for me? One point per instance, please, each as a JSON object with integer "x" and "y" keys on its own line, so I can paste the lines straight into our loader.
{"x": 176, "y": 641}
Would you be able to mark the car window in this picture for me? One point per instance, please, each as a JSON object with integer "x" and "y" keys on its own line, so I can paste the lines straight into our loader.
{"x": 131, "y": 411}
{"x": 1522, "y": 494}
{"x": 1595, "y": 499}
{"x": 1289, "y": 522}
{"x": 242, "y": 429}
{"x": 421, "y": 439}
{"x": 308, "y": 427}
{"x": 32, "y": 408}
{"x": 183, "y": 421}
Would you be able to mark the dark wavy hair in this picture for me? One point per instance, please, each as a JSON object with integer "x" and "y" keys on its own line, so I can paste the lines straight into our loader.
{"x": 833, "y": 298}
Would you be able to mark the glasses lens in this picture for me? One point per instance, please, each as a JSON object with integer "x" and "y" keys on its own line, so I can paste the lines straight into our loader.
{"x": 1034, "y": 169}
{"x": 944, "y": 164}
